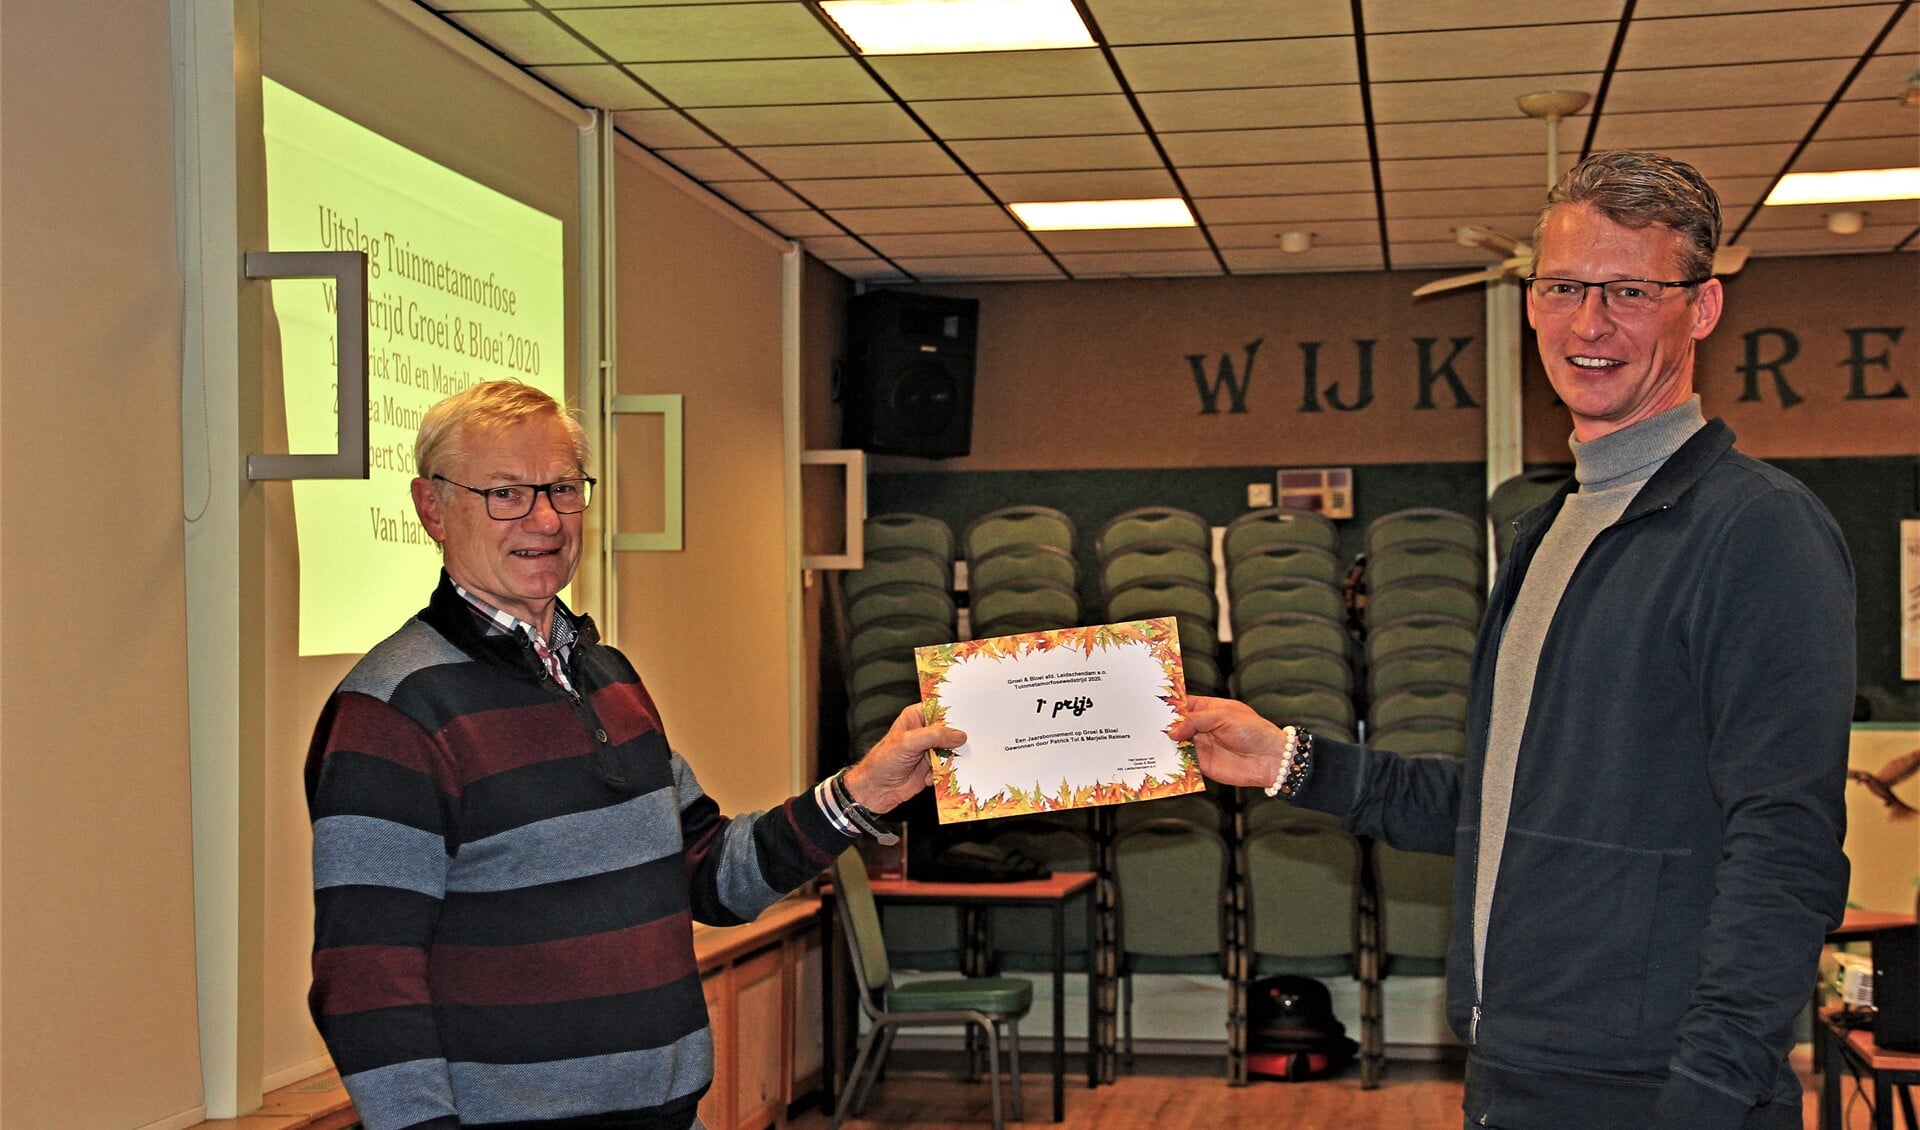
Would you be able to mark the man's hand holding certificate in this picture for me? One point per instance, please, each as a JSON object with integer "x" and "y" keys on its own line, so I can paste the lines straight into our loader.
{"x": 1059, "y": 719}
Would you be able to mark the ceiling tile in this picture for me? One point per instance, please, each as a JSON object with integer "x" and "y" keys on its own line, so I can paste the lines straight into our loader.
{"x": 1470, "y": 172}
{"x": 1720, "y": 161}
{"x": 757, "y": 195}
{"x": 1882, "y": 117}
{"x": 941, "y": 244}
{"x": 1326, "y": 233}
{"x": 1751, "y": 37}
{"x": 1222, "y": 211}
{"x": 958, "y": 119}
{"x": 1894, "y": 215}
{"x": 1458, "y": 202}
{"x": 952, "y": 218}
{"x": 868, "y": 270}
{"x": 1754, "y": 125}
{"x": 1119, "y": 184}
{"x": 1140, "y": 264}
{"x": 710, "y": 164}
{"x": 475, "y": 5}
{"x": 1863, "y": 153}
{"x": 985, "y": 267}
{"x": 1261, "y": 62}
{"x": 1740, "y": 193}
{"x": 996, "y": 74}
{"x": 1438, "y": 254}
{"x": 708, "y": 32}
{"x": 1654, "y": 9}
{"x": 835, "y": 193}
{"x": 880, "y": 159}
{"x": 599, "y": 84}
{"x": 1465, "y": 139}
{"x": 799, "y": 224}
{"x": 768, "y": 82}
{"x": 663, "y": 129}
{"x": 1435, "y": 15}
{"x": 528, "y": 38}
{"x": 1488, "y": 51}
{"x": 1884, "y": 79}
{"x": 1272, "y": 260}
{"x": 1440, "y": 229}
{"x": 837, "y": 247}
{"x": 1749, "y": 84}
{"x": 806, "y": 125}
{"x": 1820, "y": 242}
{"x": 1058, "y": 154}
{"x": 1263, "y": 180}
{"x": 1124, "y": 239}
{"x": 1456, "y": 99}
{"x": 1263, "y": 108}
{"x": 1156, "y": 21}
{"x": 559, "y": 4}
{"x": 1266, "y": 146}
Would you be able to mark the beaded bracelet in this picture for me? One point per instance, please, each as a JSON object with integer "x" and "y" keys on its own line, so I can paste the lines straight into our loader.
{"x": 1295, "y": 761}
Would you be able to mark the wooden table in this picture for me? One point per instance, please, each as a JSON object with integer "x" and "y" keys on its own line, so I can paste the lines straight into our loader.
{"x": 1852, "y": 1051}
{"x": 1053, "y": 893}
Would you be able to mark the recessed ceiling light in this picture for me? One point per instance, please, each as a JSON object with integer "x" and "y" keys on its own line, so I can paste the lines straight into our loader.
{"x": 1847, "y": 187}
{"x": 920, "y": 27}
{"x": 1079, "y": 215}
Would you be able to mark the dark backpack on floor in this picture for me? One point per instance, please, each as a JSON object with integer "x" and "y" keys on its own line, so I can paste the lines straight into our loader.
{"x": 1292, "y": 1033}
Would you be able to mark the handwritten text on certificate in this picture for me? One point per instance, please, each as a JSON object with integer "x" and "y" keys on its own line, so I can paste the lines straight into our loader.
{"x": 1060, "y": 719}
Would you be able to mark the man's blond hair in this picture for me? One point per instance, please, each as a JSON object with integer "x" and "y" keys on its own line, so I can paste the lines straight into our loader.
{"x": 449, "y": 425}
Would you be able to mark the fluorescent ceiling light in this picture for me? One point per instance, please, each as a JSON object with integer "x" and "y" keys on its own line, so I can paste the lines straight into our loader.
{"x": 1081, "y": 215}
{"x": 1847, "y": 187}
{"x": 920, "y": 27}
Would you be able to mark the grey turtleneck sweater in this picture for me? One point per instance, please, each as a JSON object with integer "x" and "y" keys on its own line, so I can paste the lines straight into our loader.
{"x": 1610, "y": 470}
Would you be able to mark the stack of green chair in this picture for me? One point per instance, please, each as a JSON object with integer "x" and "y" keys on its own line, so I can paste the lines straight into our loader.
{"x": 1292, "y": 652}
{"x": 1426, "y": 586}
{"x": 901, "y": 598}
{"x": 1021, "y": 573}
{"x": 1158, "y": 561}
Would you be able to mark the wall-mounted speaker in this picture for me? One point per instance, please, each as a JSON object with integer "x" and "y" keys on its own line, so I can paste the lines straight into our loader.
{"x": 909, "y": 376}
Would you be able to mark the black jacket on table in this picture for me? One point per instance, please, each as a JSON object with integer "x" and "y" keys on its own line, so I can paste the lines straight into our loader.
{"x": 1674, "y": 859}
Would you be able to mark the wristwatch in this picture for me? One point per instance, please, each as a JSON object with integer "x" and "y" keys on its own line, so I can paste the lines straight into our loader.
{"x": 859, "y": 814}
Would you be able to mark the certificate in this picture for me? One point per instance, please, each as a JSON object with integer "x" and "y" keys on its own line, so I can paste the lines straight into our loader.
{"x": 1061, "y": 719}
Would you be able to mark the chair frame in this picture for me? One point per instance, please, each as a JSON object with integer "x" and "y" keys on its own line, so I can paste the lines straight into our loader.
{"x": 884, "y": 1025}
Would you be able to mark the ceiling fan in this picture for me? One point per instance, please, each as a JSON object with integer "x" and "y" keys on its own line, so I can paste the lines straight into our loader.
{"x": 1517, "y": 255}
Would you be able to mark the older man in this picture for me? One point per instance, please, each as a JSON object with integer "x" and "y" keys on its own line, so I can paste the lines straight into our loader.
{"x": 508, "y": 857}
{"x": 1647, "y": 827}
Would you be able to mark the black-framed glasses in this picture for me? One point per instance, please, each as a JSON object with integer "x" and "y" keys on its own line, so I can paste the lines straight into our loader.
{"x": 510, "y": 502}
{"x": 1623, "y": 296}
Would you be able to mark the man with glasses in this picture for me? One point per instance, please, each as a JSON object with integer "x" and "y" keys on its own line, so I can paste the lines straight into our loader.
{"x": 1647, "y": 826}
{"x": 508, "y": 857}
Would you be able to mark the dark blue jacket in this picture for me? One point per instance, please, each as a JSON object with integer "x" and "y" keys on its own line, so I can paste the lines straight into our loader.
{"x": 1674, "y": 857}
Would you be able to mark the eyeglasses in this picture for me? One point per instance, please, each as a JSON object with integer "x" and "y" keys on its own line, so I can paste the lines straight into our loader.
{"x": 1622, "y": 296}
{"x": 510, "y": 502}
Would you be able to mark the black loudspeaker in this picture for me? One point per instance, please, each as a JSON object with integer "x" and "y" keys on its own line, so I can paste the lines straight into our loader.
{"x": 1896, "y": 989}
{"x": 909, "y": 378}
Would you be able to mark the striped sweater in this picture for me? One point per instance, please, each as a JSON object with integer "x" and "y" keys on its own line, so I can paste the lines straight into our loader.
{"x": 505, "y": 881}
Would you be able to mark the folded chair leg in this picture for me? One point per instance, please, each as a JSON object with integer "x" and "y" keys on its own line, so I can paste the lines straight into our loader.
{"x": 993, "y": 1072}
{"x": 1013, "y": 1063}
{"x": 854, "y": 1076}
{"x": 1126, "y": 1017}
{"x": 874, "y": 1069}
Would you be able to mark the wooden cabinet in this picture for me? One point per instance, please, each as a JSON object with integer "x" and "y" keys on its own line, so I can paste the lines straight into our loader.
{"x": 762, "y": 984}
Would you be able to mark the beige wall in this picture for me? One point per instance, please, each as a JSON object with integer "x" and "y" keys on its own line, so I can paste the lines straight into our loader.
{"x": 96, "y": 899}
{"x": 699, "y": 314}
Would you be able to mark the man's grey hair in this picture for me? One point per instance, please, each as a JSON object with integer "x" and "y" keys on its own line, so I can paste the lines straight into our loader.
{"x": 1637, "y": 189}
{"x": 447, "y": 426}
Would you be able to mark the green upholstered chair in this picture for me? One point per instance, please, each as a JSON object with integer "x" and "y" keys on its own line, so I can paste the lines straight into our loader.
{"x": 1319, "y": 708}
{"x": 1418, "y": 700}
{"x": 1418, "y": 665}
{"x": 1023, "y": 606}
{"x": 1281, "y": 666}
{"x": 1202, "y": 671}
{"x": 1171, "y": 885}
{"x": 1411, "y": 596}
{"x": 1396, "y": 563}
{"x": 1288, "y": 594}
{"x": 1425, "y": 523}
{"x": 878, "y": 670}
{"x": 1416, "y": 910}
{"x": 1018, "y": 525}
{"x": 1265, "y": 562}
{"x": 1427, "y": 629}
{"x": 900, "y": 598}
{"x": 1015, "y": 563}
{"x": 1162, "y": 596}
{"x": 915, "y": 531}
{"x": 1153, "y": 524}
{"x": 889, "y": 634}
{"x": 1291, "y": 629}
{"x": 990, "y": 1004}
{"x": 1156, "y": 559}
{"x": 902, "y": 563}
{"x": 1515, "y": 497}
{"x": 1277, "y": 525}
